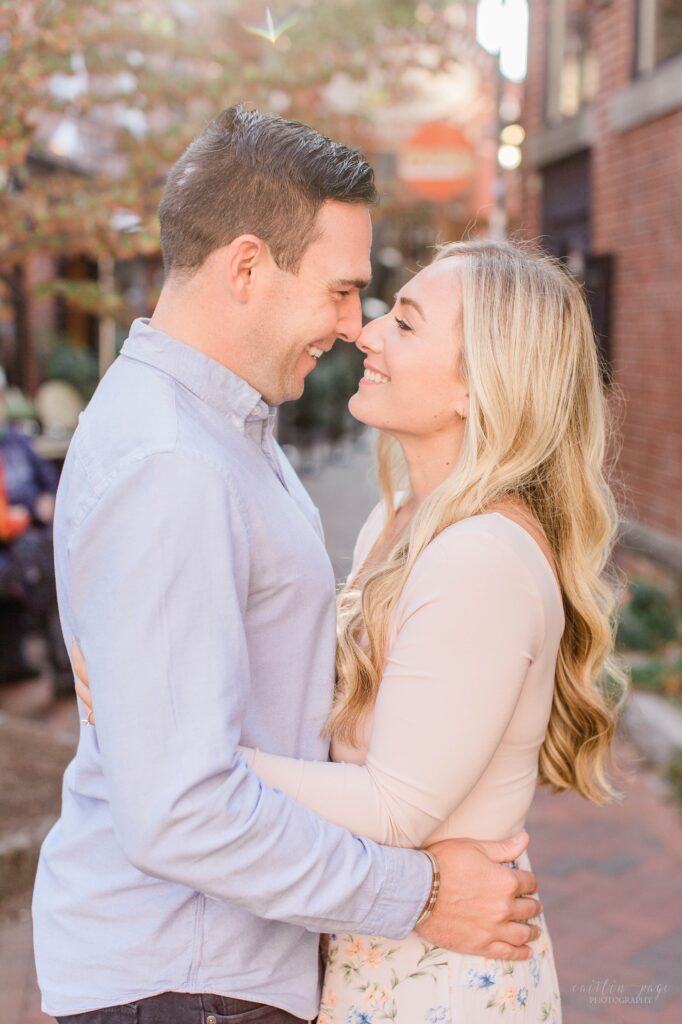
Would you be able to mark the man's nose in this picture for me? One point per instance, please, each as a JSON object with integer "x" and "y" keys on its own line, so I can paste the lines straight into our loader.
{"x": 349, "y": 323}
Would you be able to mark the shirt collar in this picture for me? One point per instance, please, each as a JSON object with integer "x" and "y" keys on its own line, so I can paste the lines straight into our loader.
{"x": 205, "y": 377}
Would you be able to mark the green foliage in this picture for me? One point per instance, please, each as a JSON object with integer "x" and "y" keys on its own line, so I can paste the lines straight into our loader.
{"x": 138, "y": 80}
{"x": 650, "y": 618}
{"x": 675, "y": 776}
{"x": 660, "y": 676}
{"x": 19, "y": 407}
{"x": 75, "y": 365}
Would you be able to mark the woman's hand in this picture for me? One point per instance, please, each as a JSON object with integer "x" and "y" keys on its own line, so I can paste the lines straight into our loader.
{"x": 82, "y": 683}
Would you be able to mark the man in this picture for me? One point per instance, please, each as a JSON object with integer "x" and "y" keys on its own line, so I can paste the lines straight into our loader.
{"x": 192, "y": 572}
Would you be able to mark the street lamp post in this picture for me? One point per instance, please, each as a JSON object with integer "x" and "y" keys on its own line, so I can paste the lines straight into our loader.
{"x": 502, "y": 30}
{"x": 107, "y": 324}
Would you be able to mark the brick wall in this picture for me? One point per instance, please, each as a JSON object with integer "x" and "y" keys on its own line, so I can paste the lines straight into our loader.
{"x": 636, "y": 216}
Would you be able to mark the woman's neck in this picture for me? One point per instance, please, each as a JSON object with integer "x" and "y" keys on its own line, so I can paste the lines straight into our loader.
{"x": 430, "y": 460}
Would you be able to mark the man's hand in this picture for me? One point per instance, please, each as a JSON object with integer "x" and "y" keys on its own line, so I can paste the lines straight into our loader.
{"x": 482, "y": 907}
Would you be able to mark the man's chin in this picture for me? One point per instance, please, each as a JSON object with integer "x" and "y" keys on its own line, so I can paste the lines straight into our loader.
{"x": 290, "y": 393}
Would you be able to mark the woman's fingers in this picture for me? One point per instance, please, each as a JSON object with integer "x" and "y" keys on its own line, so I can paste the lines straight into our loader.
{"x": 84, "y": 693}
{"x": 81, "y": 681}
{"x": 78, "y": 663}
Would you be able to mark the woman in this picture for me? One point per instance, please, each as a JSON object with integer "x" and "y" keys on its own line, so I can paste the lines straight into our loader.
{"x": 475, "y": 630}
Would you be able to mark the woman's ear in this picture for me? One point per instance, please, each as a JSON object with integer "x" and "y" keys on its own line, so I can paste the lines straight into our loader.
{"x": 462, "y": 407}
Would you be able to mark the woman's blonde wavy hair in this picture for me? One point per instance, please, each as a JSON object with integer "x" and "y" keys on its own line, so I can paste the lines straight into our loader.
{"x": 536, "y": 432}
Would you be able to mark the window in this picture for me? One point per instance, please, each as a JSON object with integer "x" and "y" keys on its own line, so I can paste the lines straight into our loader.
{"x": 659, "y": 33}
{"x": 572, "y": 73}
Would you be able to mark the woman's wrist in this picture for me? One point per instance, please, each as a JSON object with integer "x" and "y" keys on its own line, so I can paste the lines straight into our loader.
{"x": 250, "y": 753}
{"x": 433, "y": 894}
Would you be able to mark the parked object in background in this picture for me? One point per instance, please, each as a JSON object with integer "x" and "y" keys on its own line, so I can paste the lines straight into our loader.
{"x": 13, "y": 520}
{"x": 58, "y": 405}
{"x": 27, "y": 587}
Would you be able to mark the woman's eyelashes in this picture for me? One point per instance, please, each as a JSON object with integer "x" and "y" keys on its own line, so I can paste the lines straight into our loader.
{"x": 402, "y": 325}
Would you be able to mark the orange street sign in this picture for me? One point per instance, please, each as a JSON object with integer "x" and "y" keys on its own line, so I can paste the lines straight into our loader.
{"x": 437, "y": 162}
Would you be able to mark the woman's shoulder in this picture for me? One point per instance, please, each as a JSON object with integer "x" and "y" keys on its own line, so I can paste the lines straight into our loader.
{"x": 487, "y": 530}
{"x": 487, "y": 553}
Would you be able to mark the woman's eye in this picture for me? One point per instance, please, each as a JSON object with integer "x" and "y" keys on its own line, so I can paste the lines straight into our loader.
{"x": 402, "y": 325}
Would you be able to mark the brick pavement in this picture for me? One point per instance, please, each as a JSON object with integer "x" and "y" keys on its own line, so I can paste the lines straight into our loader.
{"x": 611, "y": 884}
{"x": 610, "y": 877}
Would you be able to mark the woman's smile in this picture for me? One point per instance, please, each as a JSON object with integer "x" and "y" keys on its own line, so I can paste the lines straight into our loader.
{"x": 373, "y": 376}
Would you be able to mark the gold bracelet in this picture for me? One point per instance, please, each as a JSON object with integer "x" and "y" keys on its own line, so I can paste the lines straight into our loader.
{"x": 435, "y": 889}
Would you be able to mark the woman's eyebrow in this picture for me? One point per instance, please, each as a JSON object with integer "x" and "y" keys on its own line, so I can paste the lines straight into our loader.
{"x": 407, "y": 301}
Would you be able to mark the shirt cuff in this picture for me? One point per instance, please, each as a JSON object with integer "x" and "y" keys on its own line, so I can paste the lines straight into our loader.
{"x": 406, "y": 887}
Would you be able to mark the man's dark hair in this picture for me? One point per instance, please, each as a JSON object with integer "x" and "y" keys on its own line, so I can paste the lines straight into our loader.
{"x": 254, "y": 173}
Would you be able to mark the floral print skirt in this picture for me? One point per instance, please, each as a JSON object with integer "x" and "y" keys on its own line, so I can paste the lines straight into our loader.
{"x": 370, "y": 979}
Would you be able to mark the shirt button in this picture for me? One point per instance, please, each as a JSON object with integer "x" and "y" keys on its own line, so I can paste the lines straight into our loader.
{"x": 258, "y": 410}
{"x": 211, "y": 1019}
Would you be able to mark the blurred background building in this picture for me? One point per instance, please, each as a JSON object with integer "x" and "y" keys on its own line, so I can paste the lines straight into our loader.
{"x": 103, "y": 98}
{"x": 584, "y": 153}
{"x": 602, "y": 186}
{"x": 554, "y": 120}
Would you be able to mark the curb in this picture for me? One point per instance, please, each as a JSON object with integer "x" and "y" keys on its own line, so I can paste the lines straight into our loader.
{"x": 654, "y": 726}
{"x": 19, "y": 856}
{"x": 46, "y": 757}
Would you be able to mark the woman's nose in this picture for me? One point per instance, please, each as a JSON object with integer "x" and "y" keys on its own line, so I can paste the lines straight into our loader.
{"x": 371, "y": 336}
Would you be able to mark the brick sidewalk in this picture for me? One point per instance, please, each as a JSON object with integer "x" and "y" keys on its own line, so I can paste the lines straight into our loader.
{"x": 611, "y": 884}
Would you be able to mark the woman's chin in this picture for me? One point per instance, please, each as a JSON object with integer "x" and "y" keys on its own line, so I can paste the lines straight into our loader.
{"x": 359, "y": 411}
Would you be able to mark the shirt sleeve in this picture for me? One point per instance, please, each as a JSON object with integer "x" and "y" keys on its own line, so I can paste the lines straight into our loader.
{"x": 470, "y": 622}
{"x": 159, "y": 589}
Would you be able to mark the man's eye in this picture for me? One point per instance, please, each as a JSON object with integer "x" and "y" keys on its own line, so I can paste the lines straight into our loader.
{"x": 402, "y": 325}
{"x": 343, "y": 294}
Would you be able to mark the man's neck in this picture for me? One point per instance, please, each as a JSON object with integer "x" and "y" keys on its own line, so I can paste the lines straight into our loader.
{"x": 185, "y": 313}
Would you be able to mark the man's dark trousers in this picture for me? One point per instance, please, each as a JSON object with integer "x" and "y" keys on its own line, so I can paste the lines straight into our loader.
{"x": 185, "y": 1008}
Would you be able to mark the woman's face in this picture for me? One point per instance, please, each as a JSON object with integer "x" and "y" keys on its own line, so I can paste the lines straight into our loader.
{"x": 412, "y": 384}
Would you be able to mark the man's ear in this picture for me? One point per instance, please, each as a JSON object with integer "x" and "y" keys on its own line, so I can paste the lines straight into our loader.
{"x": 245, "y": 257}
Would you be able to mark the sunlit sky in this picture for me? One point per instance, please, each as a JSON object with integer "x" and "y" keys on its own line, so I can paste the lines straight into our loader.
{"x": 502, "y": 28}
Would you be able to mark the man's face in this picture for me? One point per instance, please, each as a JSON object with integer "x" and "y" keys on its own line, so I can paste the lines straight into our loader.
{"x": 304, "y": 313}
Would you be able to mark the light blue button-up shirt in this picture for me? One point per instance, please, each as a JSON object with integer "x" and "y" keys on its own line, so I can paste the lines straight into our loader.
{"x": 191, "y": 569}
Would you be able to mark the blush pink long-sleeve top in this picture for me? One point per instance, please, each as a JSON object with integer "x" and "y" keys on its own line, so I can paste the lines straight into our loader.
{"x": 451, "y": 745}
